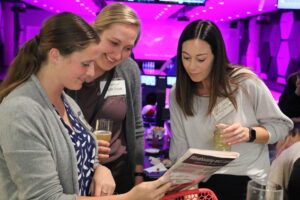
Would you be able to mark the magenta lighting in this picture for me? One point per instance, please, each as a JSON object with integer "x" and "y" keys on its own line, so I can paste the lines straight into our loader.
{"x": 85, "y": 8}
{"x": 162, "y": 23}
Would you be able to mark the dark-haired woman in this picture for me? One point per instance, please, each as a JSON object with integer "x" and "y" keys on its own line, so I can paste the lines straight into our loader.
{"x": 211, "y": 93}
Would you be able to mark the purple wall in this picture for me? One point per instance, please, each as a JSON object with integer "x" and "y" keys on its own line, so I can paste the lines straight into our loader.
{"x": 269, "y": 45}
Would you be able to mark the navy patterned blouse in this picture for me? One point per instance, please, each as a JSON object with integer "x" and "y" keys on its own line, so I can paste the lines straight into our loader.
{"x": 85, "y": 149}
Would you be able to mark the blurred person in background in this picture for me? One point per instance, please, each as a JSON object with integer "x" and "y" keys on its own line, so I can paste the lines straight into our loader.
{"x": 285, "y": 168}
{"x": 289, "y": 101}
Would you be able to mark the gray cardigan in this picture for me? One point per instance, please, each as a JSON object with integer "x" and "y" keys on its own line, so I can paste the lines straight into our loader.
{"x": 37, "y": 157}
{"x": 129, "y": 70}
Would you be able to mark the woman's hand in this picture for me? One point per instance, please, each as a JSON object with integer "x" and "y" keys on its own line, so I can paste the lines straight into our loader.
{"x": 103, "y": 183}
{"x": 153, "y": 190}
{"x": 234, "y": 133}
{"x": 103, "y": 149}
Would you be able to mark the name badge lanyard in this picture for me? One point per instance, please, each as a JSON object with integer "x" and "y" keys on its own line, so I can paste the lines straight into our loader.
{"x": 102, "y": 95}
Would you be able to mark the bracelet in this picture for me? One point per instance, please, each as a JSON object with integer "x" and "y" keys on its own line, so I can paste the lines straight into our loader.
{"x": 139, "y": 174}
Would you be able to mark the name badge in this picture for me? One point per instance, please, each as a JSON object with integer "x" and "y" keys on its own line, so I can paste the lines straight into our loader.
{"x": 116, "y": 88}
{"x": 222, "y": 109}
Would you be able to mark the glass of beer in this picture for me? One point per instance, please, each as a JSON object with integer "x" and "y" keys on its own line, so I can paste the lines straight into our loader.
{"x": 220, "y": 145}
{"x": 103, "y": 129}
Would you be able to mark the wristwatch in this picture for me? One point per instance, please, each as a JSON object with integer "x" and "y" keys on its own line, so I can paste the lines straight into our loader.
{"x": 252, "y": 134}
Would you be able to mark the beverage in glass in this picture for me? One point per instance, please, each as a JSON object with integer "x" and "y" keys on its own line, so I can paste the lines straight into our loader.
{"x": 103, "y": 129}
{"x": 103, "y": 135}
{"x": 219, "y": 143}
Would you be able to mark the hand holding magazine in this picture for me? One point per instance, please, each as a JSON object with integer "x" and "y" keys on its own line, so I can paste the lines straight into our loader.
{"x": 196, "y": 165}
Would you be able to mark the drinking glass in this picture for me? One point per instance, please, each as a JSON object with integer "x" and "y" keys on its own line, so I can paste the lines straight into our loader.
{"x": 219, "y": 143}
{"x": 103, "y": 129}
{"x": 264, "y": 191}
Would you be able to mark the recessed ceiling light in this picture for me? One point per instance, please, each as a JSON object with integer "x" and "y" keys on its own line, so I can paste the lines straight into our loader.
{"x": 210, "y": 7}
{"x": 221, "y": 20}
{"x": 260, "y": 9}
{"x": 204, "y": 11}
{"x": 248, "y": 13}
{"x": 221, "y": 3}
{"x": 229, "y": 17}
{"x": 35, "y": 1}
{"x": 82, "y": 4}
{"x": 44, "y": 5}
{"x": 237, "y": 15}
{"x": 77, "y": 1}
{"x": 166, "y": 9}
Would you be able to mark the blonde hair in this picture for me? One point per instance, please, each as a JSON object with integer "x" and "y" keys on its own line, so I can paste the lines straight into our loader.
{"x": 117, "y": 13}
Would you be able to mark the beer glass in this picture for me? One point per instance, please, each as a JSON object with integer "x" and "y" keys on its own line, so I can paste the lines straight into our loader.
{"x": 264, "y": 191}
{"x": 103, "y": 129}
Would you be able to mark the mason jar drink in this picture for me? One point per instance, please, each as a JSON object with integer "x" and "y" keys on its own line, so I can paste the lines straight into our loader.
{"x": 220, "y": 145}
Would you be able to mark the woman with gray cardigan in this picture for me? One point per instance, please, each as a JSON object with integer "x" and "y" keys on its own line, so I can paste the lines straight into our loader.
{"x": 46, "y": 148}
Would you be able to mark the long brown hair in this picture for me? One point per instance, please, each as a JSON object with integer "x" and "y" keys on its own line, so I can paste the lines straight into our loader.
{"x": 224, "y": 81}
{"x": 66, "y": 32}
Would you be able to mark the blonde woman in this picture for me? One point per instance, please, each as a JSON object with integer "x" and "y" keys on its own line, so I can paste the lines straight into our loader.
{"x": 119, "y": 29}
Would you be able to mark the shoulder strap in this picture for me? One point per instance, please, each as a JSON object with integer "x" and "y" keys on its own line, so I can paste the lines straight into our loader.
{"x": 102, "y": 95}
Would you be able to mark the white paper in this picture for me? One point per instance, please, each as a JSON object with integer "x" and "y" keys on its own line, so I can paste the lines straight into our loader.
{"x": 156, "y": 168}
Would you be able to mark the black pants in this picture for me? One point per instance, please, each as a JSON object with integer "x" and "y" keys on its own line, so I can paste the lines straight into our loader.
{"x": 122, "y": 174}
{"x": 227, "y": 187}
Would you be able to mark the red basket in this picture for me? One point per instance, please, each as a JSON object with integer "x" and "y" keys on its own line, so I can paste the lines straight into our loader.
{"x": 196, "y": 194}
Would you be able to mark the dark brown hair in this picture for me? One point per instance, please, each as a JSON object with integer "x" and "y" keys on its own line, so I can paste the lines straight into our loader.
{"x": 223, "y": 81}
{"x": 66, "y": 32}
